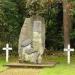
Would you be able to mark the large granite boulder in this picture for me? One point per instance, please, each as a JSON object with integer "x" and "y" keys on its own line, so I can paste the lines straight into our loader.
{"x": 32, "y": 40}
{"x": 25, "y": 34}
{"x": 38, "y": 39}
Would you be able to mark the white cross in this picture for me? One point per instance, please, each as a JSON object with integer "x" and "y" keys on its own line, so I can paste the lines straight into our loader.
{"x": 7, "y": 48}
{"x": 68, "y": 53}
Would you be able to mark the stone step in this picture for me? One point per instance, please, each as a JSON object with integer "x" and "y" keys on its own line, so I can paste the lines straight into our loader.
{"x": 50, "y": 64}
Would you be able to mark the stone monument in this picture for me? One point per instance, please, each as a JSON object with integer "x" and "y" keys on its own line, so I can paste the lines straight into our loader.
{"x": 32, "y": 40}
{"x": 25, "y": 34}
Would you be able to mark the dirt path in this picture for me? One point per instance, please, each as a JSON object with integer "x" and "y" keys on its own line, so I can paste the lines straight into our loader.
{"x": 21, "y": 71}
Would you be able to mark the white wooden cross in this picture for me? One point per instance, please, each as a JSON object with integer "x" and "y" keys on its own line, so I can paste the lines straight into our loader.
{"x": 7, "y": 48}
{"x": 68, "y": 53}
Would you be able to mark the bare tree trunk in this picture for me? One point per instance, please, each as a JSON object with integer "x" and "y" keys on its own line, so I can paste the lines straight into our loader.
{"x": 66, "y": 23}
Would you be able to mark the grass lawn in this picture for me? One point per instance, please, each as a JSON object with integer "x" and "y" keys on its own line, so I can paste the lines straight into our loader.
{"x": 62, "y": 68}
{"x": 2, "y": 63}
